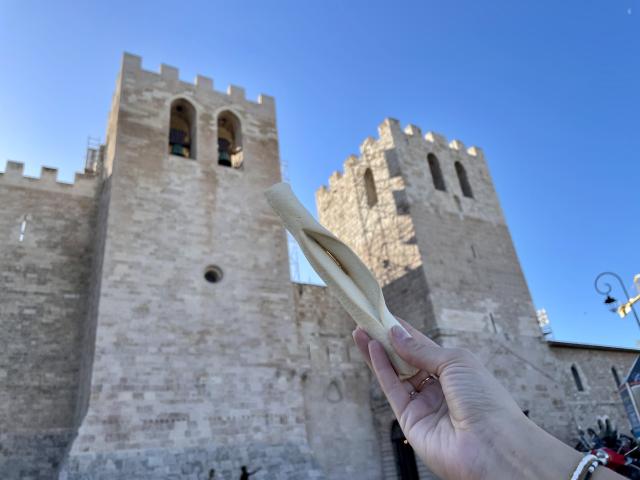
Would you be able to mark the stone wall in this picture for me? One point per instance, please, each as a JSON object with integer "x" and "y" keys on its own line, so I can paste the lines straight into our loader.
{"x": 336, "y": 384}
{"x": 284, "y": 460}
{"x": 88, "y": 334}
{"x": 594, "y": 365}
{"x": 44, "y": 271}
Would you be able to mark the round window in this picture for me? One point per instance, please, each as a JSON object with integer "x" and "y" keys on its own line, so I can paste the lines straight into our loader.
{"x": 213, "y": 274}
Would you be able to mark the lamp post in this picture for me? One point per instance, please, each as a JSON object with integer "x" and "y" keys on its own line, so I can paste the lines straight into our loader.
{"x": 629, "y": 389}
{"x": 603, "y": 287}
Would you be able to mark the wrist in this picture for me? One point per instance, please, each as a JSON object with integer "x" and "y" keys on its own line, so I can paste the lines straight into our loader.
{"x": 526, "y": 451}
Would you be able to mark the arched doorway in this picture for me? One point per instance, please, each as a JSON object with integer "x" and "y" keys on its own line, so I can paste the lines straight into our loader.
{"x": 403, "y": 453}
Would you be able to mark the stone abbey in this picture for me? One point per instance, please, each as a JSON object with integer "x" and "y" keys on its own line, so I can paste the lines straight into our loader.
{"x": 150, "y": 328}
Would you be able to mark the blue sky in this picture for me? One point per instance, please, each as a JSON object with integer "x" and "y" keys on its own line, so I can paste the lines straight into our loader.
{"x": 550, "y": 90}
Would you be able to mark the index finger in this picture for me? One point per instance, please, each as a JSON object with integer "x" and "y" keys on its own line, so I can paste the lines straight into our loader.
{"x": 415, "y": 333}
{"x": 392, "y": 386}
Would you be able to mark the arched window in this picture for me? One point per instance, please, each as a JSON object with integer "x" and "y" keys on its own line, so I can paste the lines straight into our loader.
{"x": 464, "y": 181}
{"x": 616, "y": 377}
{"x": 576, "y": 378}
{"x": 403, "y": 453}
{"x": 182, "y": 129}
{"x": 229, "y": 140}
{"x": 370, "y": 188}
{"x": 436, "y": 173}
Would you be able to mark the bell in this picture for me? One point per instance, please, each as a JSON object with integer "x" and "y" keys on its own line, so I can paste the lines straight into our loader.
{"x": 224, "y": 159}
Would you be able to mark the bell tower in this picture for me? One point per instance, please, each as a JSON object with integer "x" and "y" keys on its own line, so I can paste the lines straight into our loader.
{"x": 424, "y": 215}
{"x": 190, "y": 348}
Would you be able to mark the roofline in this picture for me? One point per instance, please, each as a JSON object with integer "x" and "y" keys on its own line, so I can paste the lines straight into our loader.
{"x": 586, "y": 346}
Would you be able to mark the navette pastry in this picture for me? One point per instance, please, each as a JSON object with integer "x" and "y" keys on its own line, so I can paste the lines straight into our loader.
{"x": 344, "y": 273}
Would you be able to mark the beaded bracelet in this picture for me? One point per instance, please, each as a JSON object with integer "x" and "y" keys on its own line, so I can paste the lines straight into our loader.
{"x": 586, "y": 467}
{"x": 592, "y": 469}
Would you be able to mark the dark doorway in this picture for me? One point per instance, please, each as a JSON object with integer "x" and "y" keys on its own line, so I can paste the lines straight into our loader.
{"x": 405, "y": 458}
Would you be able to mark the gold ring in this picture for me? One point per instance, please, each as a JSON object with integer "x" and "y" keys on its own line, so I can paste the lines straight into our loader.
{"x": 430, "y": 379}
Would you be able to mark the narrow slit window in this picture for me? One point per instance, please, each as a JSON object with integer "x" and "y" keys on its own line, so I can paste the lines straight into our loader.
{"x": 465, "y": 186}
{"x": 23, "y": 229}
{"x": 493, "y": 323}
{"x": 436, "y": 173}
{"x": 577, "y": 379}
{"x": 182, "y": 129}
{"x": 616, "y": 377}
{"x": 229, "y": 140}
{"x": 370, "y": 188}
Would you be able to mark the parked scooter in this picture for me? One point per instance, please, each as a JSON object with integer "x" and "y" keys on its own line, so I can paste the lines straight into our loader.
{"x": 619, "y": 452}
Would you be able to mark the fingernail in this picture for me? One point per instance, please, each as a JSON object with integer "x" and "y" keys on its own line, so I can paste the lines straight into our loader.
{"x": 399, "y": 333}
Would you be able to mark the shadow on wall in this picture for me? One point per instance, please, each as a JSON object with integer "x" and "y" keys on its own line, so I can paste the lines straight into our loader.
{"x": 407, "y": 298}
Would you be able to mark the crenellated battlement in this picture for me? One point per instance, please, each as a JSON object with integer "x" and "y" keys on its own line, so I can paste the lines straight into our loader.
{"x": 390, "y": 131}
{"x": 455, "y": 144}
{"x": 390, "y": 136}
{"x": 84, "y": 184}
{"x": 132, "y": 65}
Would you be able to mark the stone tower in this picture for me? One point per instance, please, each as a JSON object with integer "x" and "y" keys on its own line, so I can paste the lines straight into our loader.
{"x": 192, "y": 313}
{"x": 424, "y": 215}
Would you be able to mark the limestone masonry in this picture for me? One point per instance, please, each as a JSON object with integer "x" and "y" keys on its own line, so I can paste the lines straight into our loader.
{"x": 150, "y": 329}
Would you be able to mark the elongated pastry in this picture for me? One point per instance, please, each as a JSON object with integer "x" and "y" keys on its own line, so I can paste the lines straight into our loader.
{"x": 341, "y": 269}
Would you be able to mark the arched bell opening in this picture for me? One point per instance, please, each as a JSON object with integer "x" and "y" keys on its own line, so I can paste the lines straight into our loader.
{"x": 229, "y": 140}
{"x": 182, "y": 129}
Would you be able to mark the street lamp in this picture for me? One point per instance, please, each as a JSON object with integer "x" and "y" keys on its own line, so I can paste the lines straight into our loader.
{"x": 611, "y": 301}
{"x": 604, "y": 288}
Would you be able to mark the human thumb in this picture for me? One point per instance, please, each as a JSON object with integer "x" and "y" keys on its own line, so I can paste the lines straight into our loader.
{"x": 421, "y": 353}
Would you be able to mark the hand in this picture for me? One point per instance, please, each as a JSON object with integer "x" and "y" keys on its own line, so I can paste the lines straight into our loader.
{"x": 465, "y": 425}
